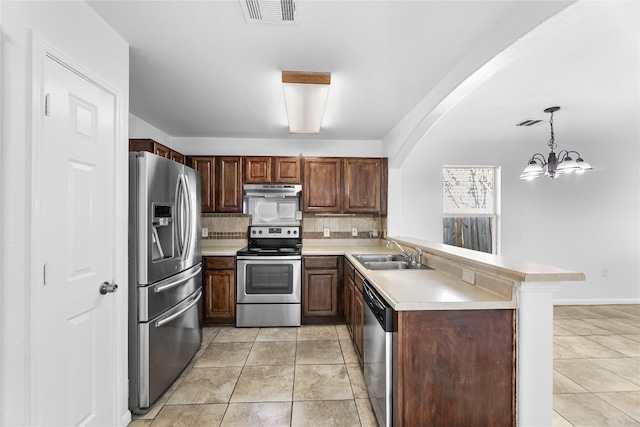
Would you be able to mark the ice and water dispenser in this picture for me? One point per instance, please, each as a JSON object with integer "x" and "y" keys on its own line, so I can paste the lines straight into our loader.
{"x": 162, "y": 231}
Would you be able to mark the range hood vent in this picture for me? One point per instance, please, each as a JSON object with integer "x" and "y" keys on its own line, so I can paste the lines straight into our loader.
{"x": 270, "y": 11}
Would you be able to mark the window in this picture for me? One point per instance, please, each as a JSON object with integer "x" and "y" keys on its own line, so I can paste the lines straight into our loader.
{"x": 470, "y": 207}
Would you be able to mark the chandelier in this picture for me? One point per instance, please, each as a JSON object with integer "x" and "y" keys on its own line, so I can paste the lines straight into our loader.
{"x": 554, "y": 165}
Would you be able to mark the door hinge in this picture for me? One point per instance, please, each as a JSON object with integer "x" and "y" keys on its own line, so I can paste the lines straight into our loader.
{"x": 46, "y": 104}
{"x": 44, "y": 275}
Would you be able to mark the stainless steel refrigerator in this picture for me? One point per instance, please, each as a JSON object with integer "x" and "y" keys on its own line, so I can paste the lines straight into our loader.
{"x": 165, "y": 280}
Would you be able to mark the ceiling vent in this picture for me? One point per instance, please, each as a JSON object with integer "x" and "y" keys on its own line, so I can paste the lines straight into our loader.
{"x": 528, "y": 122}
{"x": 270, "y": 11}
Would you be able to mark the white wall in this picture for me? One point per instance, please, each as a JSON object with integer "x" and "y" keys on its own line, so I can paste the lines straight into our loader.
{"x": 138, "y": 128}
{"x": 583, "y": 222}
{"x": 74, "y": 29}
{"x": 255, "y": 146}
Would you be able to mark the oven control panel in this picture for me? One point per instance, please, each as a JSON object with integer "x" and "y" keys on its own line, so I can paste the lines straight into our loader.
{"x": 274, "y": 232}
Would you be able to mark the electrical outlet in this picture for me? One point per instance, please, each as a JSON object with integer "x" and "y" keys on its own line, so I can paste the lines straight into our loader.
{"x": 205, "y": 232}
{"x": 374, "y": 233}
{"x": 469, "y": 276}
{"x": 327, "y": 232}
{"x": 354, "y": 232}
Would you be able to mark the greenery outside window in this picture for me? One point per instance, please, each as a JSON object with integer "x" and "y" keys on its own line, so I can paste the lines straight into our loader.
{"x": 470, "y": 207}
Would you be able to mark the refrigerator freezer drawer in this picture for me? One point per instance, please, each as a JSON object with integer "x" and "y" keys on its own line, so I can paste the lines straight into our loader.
{"x": 159, "y": 297}
{"x": 166, "y": 345}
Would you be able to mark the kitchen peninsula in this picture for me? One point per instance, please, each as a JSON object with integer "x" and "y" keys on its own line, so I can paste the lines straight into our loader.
{"x": 480, "y": 287}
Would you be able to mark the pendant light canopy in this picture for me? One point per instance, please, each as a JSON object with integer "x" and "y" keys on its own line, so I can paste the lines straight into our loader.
{"x": 554, "y": 165}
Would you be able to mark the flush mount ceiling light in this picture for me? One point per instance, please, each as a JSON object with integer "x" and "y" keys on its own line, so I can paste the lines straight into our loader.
{"x": 305, "y": 95}
{"x": 554, "y": 165}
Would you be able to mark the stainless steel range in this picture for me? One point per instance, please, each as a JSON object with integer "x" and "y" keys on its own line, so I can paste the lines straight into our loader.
{"x": 269, "y": 277}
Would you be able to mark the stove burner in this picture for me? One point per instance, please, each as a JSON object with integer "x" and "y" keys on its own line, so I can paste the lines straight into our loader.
{"x": 273, "y": 241}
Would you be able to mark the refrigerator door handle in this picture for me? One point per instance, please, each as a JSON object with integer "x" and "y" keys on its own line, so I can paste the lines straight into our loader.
{"x": 181, "y": 280}
{"x": 166, "y": 320}
{"x": 185, "y": 213}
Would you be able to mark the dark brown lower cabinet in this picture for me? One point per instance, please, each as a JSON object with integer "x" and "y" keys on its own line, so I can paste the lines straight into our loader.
{"x": 456, "y": 368}
{"x": 219, "y": 290}
{"x": 321, "y": 290}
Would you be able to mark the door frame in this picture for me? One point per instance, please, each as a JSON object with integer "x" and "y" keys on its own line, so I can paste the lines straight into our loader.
{"x": 41, "y": 50}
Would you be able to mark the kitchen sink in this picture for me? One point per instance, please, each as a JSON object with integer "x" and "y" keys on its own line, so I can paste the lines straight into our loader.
{"x": 378, "y": 258}
{"x": 387, "y": 262}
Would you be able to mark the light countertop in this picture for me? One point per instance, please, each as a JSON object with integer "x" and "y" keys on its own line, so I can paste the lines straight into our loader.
{"x": 424, "y": 289}
{"x": 429, "y": 289}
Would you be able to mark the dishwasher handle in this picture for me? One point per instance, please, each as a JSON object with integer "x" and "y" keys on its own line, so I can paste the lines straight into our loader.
{"x": 381, "y": 310}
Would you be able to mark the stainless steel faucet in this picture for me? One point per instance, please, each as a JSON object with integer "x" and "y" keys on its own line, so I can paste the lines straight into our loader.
{"x": 415, "y": 260}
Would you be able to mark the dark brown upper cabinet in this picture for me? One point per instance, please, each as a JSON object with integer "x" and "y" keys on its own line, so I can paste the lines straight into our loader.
{"x": 267, "y": 170}
{"x": 321, "y": 189}
{"x": 206, "y": 165}
{"x": 229, "y": 189}
{"x": 156, "y": 148}
{"x": 349, "y": 185}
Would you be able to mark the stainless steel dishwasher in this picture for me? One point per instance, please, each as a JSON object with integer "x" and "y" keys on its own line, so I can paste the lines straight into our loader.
{"x": 378, "y": 354}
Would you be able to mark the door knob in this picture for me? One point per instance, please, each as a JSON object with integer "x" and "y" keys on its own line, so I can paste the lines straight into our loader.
{"x": 107, "y": 287}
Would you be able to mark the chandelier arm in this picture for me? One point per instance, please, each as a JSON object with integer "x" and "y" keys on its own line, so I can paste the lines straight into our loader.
{"x": 563, "y": 155}
{"x": 540, "y": 158}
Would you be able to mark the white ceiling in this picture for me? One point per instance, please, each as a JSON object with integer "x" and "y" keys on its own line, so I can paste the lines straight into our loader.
{"x": 199, "y": 69}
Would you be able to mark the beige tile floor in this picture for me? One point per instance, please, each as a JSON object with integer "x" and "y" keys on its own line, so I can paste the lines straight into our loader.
{"x": 309, "y": 376}
{"x": 596, "y": 367}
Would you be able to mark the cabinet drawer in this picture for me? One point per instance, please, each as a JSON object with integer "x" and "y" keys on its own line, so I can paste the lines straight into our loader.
{"x": 321, "y": 262}
{"x": 219, "y": 263}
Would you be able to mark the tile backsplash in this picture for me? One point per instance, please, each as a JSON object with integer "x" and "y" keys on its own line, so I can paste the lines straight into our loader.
{"x": 235, "y": 225}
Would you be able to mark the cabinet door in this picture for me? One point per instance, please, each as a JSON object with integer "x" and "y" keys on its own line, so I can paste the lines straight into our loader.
{"x": 229, "y": 195}
{"x": 320, "y": 293}
{"x": 161, "y": 151}
{"x": 257, "y": 170}
{"x": 321, "y": 186}
{"x": 206, "y": 166}
{"x": 176, "y": 157}
{"x": 348, "y": 303}
{"x": 362, "y": 185}
{"x": 219, "y": 296}
{"x": 149, "y": 145}
{"x": 287, "y": 170}
{"x": 358, "y": 323}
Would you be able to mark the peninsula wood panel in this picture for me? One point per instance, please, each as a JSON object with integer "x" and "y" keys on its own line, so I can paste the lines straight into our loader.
{"x": 322, "y": 185}
{"x": 456, "y": 368}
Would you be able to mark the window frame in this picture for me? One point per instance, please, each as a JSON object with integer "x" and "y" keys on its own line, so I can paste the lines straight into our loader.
{"x": 496, "y": 228}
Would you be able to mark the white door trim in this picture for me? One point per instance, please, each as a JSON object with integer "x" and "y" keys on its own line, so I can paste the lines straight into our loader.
{"x": 41, "y": 49}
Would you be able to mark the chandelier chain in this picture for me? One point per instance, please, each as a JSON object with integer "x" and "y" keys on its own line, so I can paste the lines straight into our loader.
{"x": 552, "y": 141}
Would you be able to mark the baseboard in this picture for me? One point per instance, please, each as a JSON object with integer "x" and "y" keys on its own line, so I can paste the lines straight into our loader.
{"x": 597, "y": 301}
{"x": 126, "y": 418}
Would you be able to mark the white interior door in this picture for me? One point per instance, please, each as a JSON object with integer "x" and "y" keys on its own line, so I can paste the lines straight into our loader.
{"x": 74, "y": 348}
